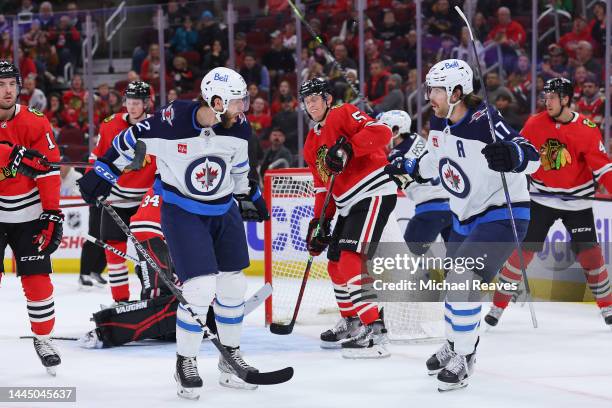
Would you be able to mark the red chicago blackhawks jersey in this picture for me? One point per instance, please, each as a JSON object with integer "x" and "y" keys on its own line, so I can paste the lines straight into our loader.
{"x": 146, "y": 223}
{"x": 22, "y": 198}
{"x": 572, "y": 159}
{"x": 131, "y": 185}
{"x": 364, "y": 174}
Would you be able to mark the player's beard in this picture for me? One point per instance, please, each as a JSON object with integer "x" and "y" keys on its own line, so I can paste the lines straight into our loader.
{"x": 227, "y": 121}
{"x": 8, "y": 106}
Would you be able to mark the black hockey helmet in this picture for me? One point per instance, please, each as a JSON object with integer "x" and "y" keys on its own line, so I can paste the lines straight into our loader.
{"x": 8, "y": 70}
{"x": 138, "y": 90}
{"x": 561, "y": 86}
{"x": 315, "y": 86}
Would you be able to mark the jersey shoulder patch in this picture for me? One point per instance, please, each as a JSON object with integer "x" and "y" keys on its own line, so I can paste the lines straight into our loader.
{"x": 338, "y": 105}
{"x": 109, "y": 118}
{"x": 35, "y": 112}
{"x": 589, "y": 123}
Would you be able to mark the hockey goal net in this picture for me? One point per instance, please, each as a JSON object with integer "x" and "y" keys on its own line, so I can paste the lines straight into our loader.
{"x": 290, "y": 197}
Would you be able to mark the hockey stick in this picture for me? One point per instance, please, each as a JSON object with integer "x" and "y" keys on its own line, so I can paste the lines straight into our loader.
{"x": 75, "y": 164}
{"x": 84, "y": 204}
{"x": 318, "y": 39}
{"x": 249, "y": 305}
{"x": 571, "y": 197}
{"x": 283, "y": 329}
{"x": 261, "y": 378}
{"x": 52, "y": 338}
{"x": 503, "y": 175}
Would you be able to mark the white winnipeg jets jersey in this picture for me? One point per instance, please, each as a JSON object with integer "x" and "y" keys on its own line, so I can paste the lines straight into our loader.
{"x": 454, "y": 155}
{"x": 199, "y": 168}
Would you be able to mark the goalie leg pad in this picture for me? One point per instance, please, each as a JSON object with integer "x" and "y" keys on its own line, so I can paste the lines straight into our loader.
{"x": 138, "y": 320}
{"x": 198, "y": 292}
{"x": 152, "y": 285}
{"x": 229, "y": 307}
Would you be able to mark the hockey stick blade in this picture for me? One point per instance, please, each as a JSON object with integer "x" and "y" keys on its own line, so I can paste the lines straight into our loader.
{"x": 272, "y": 377}
{"x": 281, "y": 329}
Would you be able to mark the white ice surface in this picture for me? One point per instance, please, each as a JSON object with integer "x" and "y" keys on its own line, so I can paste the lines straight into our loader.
{"x": 567, "y": 362}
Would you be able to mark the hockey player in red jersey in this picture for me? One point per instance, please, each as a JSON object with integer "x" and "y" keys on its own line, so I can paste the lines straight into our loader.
{"x": 364, "y": 196}
{"x": 131, "y": 186}
{"x": 573, "y": 159}
{"x": 30, "y": 217}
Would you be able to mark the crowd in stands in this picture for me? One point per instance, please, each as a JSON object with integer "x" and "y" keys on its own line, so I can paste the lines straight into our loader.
{"x": 265, "y": 54}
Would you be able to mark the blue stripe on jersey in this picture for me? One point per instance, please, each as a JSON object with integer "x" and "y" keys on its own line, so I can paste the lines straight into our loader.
{"x": 433, "y": 205}
{"x": 465, "y": 312}
{"x": 194, "y": 120}
{"x": 498, "y": 214}
{"x": 121, "y": 147}
{"x": 218, "y": 207}
{"x": 227, "y": 307}
{"x": 461, "y": 327}
{"x": 244, "y": 163}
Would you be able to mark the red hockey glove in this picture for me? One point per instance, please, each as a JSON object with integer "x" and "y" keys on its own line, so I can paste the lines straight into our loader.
{"x": 51, "y": 230}
{"x": 318, "y": 240}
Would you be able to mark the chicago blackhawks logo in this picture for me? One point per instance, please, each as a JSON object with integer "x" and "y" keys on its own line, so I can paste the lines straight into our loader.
{"x": 324, "y": 173}
{"x": 554, "y": 155}
{"x": 453, "y": 178}
{"x": 205, "y": 175}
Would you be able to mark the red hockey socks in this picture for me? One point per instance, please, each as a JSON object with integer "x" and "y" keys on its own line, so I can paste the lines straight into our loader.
{"x": 596, "y": 275}
{"x": 364, "y": 303}
{"x": 511, "y": 273}
{"x": 340, "y": 291}
{"x": 38, "y": 291}
{"x": 118, "y": 272}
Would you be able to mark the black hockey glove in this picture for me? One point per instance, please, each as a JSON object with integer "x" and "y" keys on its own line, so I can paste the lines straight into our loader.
{"x": 339, "y": 155}
{"x": 253, "y": 206}
{"x": 404, "y": 172}
{"x": 29, "y": 162}
{"x": 51, "y": 230}
{"x": 503, "y": 156}
{"x": 98, "y": 182}
{"x": 318, "y": 240}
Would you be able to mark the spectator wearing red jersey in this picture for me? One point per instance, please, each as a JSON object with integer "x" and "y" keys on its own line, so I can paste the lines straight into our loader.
{"x": 580, "y": 32}
{"x": 67, "y": 41}
{"x": 284, "y": 89}
{"x": 592, "y": 102}
{"x": 376, "y": 85}
{"x": 27, "y": 67}
{"x": 507, "y": 32}
{"x": 76, "y": 95}
{"x": 260, "y": 120}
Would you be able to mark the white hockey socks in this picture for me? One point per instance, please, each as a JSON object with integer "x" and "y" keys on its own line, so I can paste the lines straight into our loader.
{"x": 198, "y": 292}
{"x": 229, "y": 307}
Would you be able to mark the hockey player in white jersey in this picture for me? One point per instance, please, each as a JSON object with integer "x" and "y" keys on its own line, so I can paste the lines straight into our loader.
{"x": 202, "y": 157}
{"x": 432, "y": 216}
{"x": 460, "y": 151}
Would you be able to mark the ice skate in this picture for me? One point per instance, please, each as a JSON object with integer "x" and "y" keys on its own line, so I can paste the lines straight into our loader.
{"x": 440, "y": 359}
{"x": 343, "y": 331}
{"x": 492, "y": 318}
{"x": 85, "y": 283}
{"x": 227, "y": 375}
{"x": 98, "y": 280}
{"x": 370, "y": 342}
{"x": 48, "y": 354}
{"x": 188, "y": 381}
{"x": 606, "y": 313}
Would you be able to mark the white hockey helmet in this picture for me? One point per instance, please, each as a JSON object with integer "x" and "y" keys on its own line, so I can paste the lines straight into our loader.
{"x": 449, "y": 74}
{"x": 228, "y": 85}
{"x": 396, "y": 119}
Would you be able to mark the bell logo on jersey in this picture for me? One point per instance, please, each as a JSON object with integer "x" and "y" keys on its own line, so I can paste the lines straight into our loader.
{"x": 434, "y": 141}
{"x": 204, "y": 176}
{"x": 453, "y": 178}
{"x": 182, "y": 148}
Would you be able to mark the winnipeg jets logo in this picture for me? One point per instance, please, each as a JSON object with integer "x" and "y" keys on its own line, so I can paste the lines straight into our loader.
{"x": 205, "y": 175}
{"x": 453, "y": 178}
{"x": 168, "y": 115}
